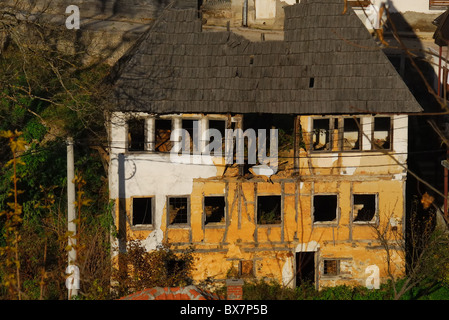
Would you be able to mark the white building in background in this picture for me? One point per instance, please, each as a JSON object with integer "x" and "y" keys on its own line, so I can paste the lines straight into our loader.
{"x": 270, "y": 13}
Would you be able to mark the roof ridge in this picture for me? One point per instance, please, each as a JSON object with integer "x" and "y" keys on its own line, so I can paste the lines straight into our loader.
{"x": 179, "y": 68}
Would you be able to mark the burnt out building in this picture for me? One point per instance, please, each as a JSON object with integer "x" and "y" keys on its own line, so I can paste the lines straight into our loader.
{"x": 306, "y": 209}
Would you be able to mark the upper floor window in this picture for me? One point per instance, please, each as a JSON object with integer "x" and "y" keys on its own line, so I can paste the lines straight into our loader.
{"x": 136, "y": 134}
{"x": 217, "y": 129}
{"x": 162, "y": 132}
{"x": 438, "y": 4}
{"x": 322, "y": 133}
{"x": 346, "y": 133}
{"x": 382, "y": 132}
{"x": 352, "y": 134}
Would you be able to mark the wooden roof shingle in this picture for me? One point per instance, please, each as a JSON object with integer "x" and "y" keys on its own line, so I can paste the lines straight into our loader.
{"x": 175, "y": 67}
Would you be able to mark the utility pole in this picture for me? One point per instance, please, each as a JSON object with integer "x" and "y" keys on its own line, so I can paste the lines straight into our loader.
{"x": 72, "y": 282}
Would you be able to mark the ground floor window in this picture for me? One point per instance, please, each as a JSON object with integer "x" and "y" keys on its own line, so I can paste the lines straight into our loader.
{"x": 178, "y": 210}
{"x": 142, "y": 211}
{"x": 331, "y": 267}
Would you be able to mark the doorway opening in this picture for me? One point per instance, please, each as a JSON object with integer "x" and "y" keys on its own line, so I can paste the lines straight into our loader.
{"x": 305, "y": 268}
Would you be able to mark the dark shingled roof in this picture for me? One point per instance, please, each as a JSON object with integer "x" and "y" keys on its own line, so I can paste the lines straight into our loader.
{"x": 177, "y": 68}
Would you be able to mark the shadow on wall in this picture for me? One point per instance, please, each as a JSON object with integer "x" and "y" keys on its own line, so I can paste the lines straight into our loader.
{"x": 419, "y": 70}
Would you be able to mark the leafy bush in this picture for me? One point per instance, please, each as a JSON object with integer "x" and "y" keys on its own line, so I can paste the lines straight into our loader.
{"x": 138, "y": 269}
{"x": 263, "y": 290}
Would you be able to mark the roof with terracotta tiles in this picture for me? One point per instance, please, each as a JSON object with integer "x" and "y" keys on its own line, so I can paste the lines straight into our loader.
{"x": 328, "y": 63}
{"x": 172, "y": 293}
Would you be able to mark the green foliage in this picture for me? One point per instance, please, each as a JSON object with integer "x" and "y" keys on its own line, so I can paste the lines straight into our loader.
{"x": 263, "y": 290}
{"x": 344, "y": 292}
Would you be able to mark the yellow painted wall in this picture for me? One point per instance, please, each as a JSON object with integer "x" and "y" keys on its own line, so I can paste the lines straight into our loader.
{"x": 272, "y": 248}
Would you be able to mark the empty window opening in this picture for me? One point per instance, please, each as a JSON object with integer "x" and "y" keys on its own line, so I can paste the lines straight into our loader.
{"x": 284, "y": 124}
{"x": 192, "y": 127}
{"x": 246, "y": 268}
{"x": 324, "y": 208}
{"x": 351, "y": 134}
{"x": 305, "y": 268}
{"x": 136, "y": 134}
{"x": 331, "y": 267}
{"x": 269, "y": 209}
{"x": 364, "y": 207}
{"x": 178, "y": 210}
{"x": 382, "y": 133}
{"x": 162, "y": 135}
{"x": 311, "y": 82}
{"x": 142, "y": 211}
{"x": 220, "y": 126}
{"x": 321, "y": 134}
{"x": 214, "y": 209}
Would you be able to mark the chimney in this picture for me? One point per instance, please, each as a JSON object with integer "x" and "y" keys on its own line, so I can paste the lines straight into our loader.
{"x": 234, "y": 289}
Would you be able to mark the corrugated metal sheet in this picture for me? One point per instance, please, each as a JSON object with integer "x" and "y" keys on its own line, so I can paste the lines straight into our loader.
{"x": 178, "y": 68}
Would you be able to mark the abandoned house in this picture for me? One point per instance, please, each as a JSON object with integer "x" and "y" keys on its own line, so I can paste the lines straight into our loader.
{"x": 337, "y": 169}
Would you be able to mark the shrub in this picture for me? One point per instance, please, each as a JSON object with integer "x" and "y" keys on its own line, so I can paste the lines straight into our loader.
{"x": 138, "y": 269}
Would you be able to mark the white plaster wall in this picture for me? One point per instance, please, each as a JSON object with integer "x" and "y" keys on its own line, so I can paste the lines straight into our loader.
{"x": 398, "y": 5}
{"x": 406, "y": 5}
{"x": 369, "y": 15}
{"x": 149, "y": 174}
{"x": 265, "y": 9}
{"x": 400, "y": 137}
{"x": 288, "y": 273}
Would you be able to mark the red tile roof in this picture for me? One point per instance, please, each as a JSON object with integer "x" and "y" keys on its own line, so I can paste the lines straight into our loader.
{"x": 172, "y": 293}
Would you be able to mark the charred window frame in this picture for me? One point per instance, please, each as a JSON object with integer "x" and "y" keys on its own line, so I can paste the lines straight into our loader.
{"x": 162, "y": 132}
{"x": 136, "y": 134}
{"x": 325, "y": 209}
{"x": 214, "y": 209}
{"x": 188, "y": 124}
{"x": 178, "y": 211}
{"x": 269, "y": 210}
{"x": 382, "y": 133}
{"x": 219, "y": 124}
{"x": 351, "y": 134}
{"x": 365, "y": 208}
{"x": 331, "y": 267}
{"x": 335, "y": 134}
{"x": 142, "y": 211}
{"x": 324, "y": 134}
